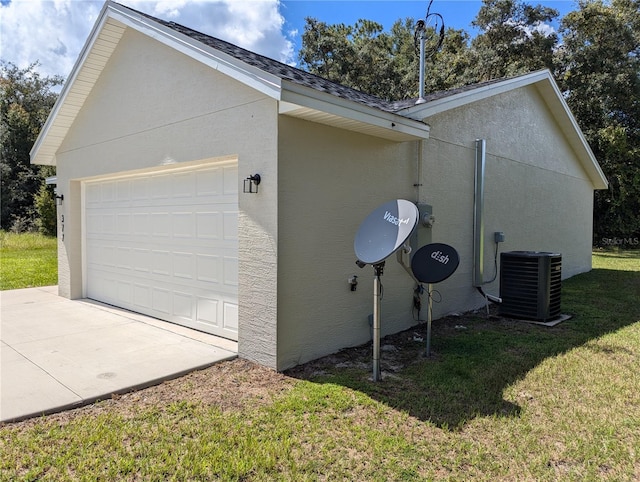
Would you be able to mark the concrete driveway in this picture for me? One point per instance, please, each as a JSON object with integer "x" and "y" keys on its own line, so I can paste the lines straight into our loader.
{"x": 57, "y": 353}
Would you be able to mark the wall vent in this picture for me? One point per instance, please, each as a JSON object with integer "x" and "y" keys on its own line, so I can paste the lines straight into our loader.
{"x": 530, "y": 285}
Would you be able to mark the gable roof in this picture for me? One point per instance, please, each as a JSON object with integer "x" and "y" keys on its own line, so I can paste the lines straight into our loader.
{"x": 299, "y": 93}
{"x": 544, "y": 82}
{"x": 281, "y": 70}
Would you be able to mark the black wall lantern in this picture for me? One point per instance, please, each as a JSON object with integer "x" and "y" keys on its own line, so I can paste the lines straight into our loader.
{"x": 251, "y": 184}
{"x": 59, "y": 199}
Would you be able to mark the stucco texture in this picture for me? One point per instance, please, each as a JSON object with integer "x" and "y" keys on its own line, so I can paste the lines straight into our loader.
{"x": 536, "y": 192}
{"x": 329, "y": 180}
{"x": 154, "y": 108}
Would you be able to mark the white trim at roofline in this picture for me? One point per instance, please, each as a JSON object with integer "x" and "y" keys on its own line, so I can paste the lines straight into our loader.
{"x": 109, "y": 28}
{"x": 36, "y": 156}
{"x": 305, "y": 102}
{"x": 546, "y": 85}
{"x": 433, "y": 107}
{"x": 258, "y": 79}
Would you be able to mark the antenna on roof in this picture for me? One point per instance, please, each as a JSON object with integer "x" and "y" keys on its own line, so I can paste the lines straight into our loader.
{"x": 430, "y": 30}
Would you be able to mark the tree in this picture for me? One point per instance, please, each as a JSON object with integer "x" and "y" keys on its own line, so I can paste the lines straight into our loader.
{"x": 26, "y": 99}
{"x": 361, "y": 56}
{"x": 45, "y": 205}
{"x": 599, "y": 71}
{"x": 515, "y": 38}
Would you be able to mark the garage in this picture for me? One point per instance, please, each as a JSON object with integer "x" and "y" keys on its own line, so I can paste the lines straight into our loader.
{"x": 164, "y": 243}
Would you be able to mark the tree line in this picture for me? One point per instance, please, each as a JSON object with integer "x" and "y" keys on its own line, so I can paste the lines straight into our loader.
{"x": 594, "y": 57}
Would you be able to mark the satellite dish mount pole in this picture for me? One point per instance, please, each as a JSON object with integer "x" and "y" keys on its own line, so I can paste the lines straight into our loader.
{"x": 377, "y": 295}
{"x": 429, "y": 315}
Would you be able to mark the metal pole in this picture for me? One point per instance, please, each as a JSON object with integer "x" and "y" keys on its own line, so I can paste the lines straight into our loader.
{"x": 478, "y": 212}
{"x": 421, "y": 99}
{"x": 429, "y": 314}
{"x": 376, "y": 321}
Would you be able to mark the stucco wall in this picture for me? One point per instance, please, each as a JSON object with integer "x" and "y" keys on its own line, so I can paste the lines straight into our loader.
{"x": 536, "y": 192}
{"x": 154, "y": 107}
{"x": 328, "y": 181}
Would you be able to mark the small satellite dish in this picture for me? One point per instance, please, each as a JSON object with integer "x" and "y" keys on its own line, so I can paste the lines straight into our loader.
{"x": 434, "y": 263}
{"x": 385, "y": 230}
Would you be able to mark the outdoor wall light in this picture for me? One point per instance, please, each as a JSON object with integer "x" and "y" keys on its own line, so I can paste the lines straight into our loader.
{"x": 59, "y": 199}
{"x": 251, "y": 184}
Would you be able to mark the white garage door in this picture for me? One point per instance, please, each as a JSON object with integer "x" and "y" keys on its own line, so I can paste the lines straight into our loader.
{"x": 165, "y": 244}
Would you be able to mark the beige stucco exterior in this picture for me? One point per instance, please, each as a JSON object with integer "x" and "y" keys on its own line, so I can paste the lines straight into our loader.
{"x": 160, "y": 104}
{"x": 536, "y": 192}
{"x": 328, "y": 181}
{"x": 154, "y": 108}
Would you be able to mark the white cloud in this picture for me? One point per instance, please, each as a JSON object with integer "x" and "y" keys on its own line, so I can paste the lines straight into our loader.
{"x": 544, "y": 29}
{"x": 54, "y": 31}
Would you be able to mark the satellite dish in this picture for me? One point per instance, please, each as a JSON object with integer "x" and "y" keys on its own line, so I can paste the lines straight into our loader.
{"x": 385, "y": 230}
{"x": 380, "y": 235}
{"x": 434, "y": 263}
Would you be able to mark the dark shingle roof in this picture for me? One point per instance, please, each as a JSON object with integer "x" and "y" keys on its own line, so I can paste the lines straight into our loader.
{"x": 297, "y": 76}
{"x": 279, "y": 69}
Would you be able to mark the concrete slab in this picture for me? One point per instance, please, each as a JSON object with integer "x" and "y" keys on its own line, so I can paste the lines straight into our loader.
{"x": 57, "y": 353}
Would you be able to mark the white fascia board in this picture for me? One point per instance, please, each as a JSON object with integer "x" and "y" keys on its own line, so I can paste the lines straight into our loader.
{"x": 547, "y": 86}
{"x": 431, "y": 108}
{"x": 296, "y": 94}
{"x": 102, "y": 18}
{"x": 567, "y": 122}
{"x": 253, "y": 77}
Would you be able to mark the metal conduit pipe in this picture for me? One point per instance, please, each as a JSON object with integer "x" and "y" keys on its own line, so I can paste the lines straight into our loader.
{"x": 478, "y": 220}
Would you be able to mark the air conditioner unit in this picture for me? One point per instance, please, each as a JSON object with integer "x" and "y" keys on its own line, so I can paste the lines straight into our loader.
{"x": 530, "y": 285}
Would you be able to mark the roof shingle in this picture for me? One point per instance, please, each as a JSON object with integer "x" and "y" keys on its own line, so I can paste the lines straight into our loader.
{"x": 301, "y": 77}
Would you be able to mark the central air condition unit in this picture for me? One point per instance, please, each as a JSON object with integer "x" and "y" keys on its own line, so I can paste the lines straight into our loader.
{"x": 530, "y": 285}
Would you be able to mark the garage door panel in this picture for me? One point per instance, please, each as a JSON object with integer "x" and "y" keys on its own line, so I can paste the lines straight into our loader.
{"x": 230, "y": 316}
{"x": 230, "y": 225}
{"x": 209, "y": 183}
{"x": 160, "y": 262}
{"x": 161, "y": 300}
{"x": 166, "y": 245}
{"x": 208, "y": 268}
{"x": 183, "y": 305}
{"x": 182, "y": 225}
{"x": 230, "y": 271}
{"x": 230, "y": 176}
{"x": 141, "y": 296}
{"x": 207, "y": 311}
{"x": 184, "y": 265}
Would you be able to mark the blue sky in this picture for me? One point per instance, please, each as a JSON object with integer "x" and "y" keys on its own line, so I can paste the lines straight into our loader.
{"x": 456, "y": 13}
{"x": 54, "y": 31}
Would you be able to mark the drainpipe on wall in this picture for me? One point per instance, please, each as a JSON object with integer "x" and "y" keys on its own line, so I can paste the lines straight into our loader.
{"x": 478, "y": 220}
{"x": 478, "y": 213}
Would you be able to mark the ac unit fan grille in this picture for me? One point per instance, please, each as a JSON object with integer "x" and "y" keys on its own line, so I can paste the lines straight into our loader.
{"x": 530, "y": 285}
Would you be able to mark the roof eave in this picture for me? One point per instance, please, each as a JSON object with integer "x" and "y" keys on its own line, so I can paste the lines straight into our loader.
{"x": 321, "y": 107}
{"x": 39, "y": 153}
{"x": 431, "y": 108}
{"x": 254, "y": 77}
{"x": 567, "y": 122}
{"x": 54, "y": 130}
{"x": 544, "y": 82}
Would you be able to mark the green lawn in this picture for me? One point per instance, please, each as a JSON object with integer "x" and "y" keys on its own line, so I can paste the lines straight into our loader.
{"x": 499, "y": 400}
{"x": 27, "y": 260}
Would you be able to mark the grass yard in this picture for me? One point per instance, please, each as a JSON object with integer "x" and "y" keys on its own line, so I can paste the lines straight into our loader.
{"x": 27, "y": 260}
{"x": 499, "y": 400}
